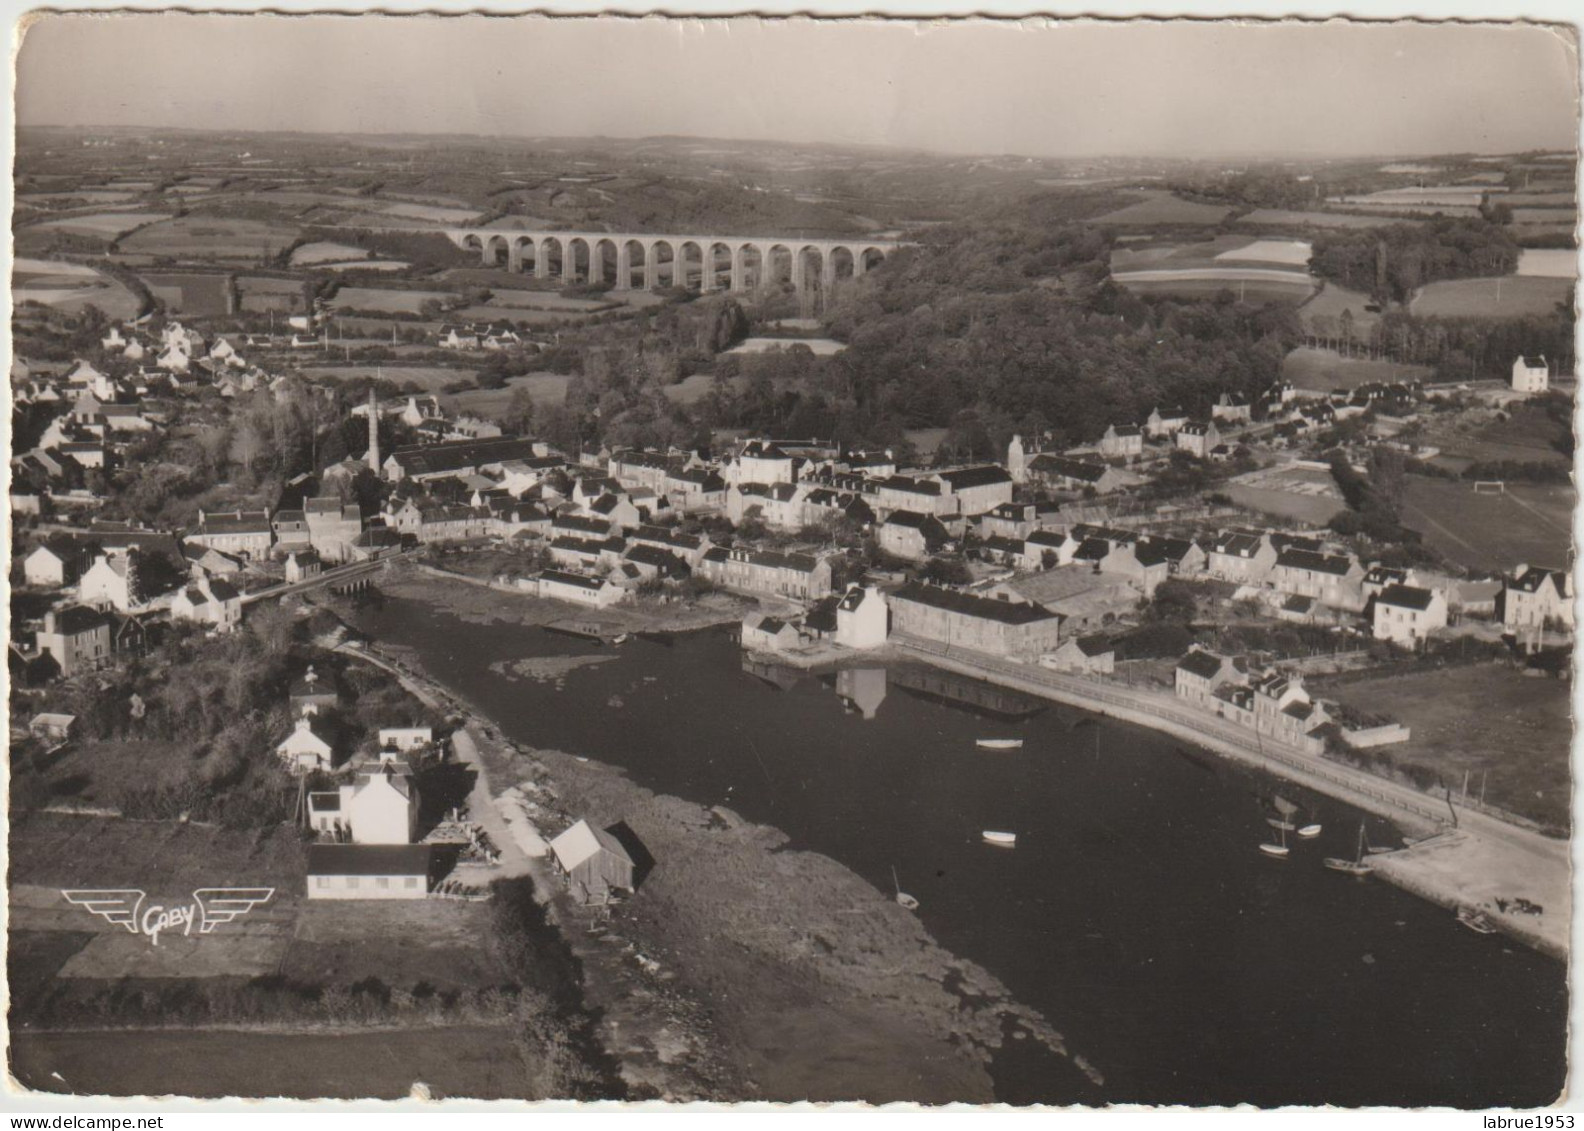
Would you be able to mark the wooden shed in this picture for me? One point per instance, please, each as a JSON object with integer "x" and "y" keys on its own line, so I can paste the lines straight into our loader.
{"x": 595, "y": 863}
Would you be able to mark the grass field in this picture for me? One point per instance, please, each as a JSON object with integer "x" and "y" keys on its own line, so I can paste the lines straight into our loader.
{"x": 1510, "y": 296}
{"x": 1164, "y": 208}
{"x": 1312, "y": 510}
{"x": 1551, "y": 263}
{"x": 403, "y": 942}
{"x": 69, "y": 287}
{"x": 211, "y": 237}
{"x": 374, "y": 298}
{"x": 108, "y": 225}
{"x": 547, "y": 390}
{"x": 1529, "y": 524}
{"x": 463, "y": 1061}
{"x": 1289, "y": 218}
{"x": 1327, "y": 371}
{"x": 95, "y": 773}
{"x": 432, "y": 378}
{"x": 1485, "y": 718}
{"x": 690, "y": 390}
{"x": 188, "y": 294}
{"x": 1330, "y": 301}
{"x": 1250, "y": 285}
{"x": 1528, "y": 435}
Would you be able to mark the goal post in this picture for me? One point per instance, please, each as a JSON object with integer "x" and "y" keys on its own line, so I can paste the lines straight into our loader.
{"x": 1490, "y": 486}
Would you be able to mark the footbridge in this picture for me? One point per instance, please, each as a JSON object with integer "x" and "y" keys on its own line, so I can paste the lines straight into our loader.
{"x": 644, "y": 261}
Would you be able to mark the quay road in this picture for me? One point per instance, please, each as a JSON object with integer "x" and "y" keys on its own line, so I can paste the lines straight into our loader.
{"x": 1486, "y": 856}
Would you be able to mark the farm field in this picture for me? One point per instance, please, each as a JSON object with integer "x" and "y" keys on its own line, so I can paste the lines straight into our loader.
{"x": 549, "y": 300}
{"x": 1274, "y": 269}
{"x": 1562, "y": 215}
{"x": 371, "y": 298}
{"x": 1433, "y": 196}
{"x": 456, "y": 216}
{"x": 1519, "y": 295}
{"x": 430, "y": 378}
{"x": 690, "y": 390}
{"x": 1391, "y": 208}
{"x": 546, "y": 389}
{"x": 1164, "y": 208}
{"x": 1328, "y": 371}
{"x": 189, "y": 294}
{"x": 1285, "y": 217}
{"x": 1252, "y": 286}
{"x": 1483, "y": 718}
{"x": 1295, "y": 253}
{"x": 488, "y": 312}
{"x": 1530, "y": 524}
{"x": 96, "y": 773}
{"x": 1309, "y": 509}
{"x": 1527, "y": 435}
{"x": 69, "y": 287}
{"x": 364, "y": 265}
{"x": 211, "y": 237}
{"x": 823, "y": 347}
{"x": 1550, "y": 263}
{"x": 471, "y": 1061}
{"x": 325, "y": 252}
{"x": 106, "y": 225}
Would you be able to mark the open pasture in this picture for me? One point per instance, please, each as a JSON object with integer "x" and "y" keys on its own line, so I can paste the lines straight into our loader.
{"x": 1253, "y": 286}
{"x": 69, "y": 287}
{"x": 1284, "y": 217}
{"x": 1550, "y": 263}
{"x": 430, "y": 378}
{"x": 1509, "y": 296}
{"x": 1163, "y": 208}
{"x": 324, "y": 251}
{"x": 1328, "y": 371}
{"x": 211, "y": 237}
{"x": 105, "y": 225}
{"x": 546, "y": 389}
{"x": 1294, "y": 253}
{"x": 192, "y": 294}
{"x": 432, "y": 212}
{"x": 1562, "y": 215}
{"x": 1332, "y": 301}
{"x": 1531, "y": 523}
{"x": 387, "y": 301}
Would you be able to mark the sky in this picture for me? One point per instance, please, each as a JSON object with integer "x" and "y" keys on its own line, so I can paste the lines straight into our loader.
{"x": 982, "y": 87}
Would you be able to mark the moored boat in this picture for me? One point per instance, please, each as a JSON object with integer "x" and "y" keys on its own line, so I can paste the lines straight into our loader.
{"x": 1477, "y": 921}
{"x": 902, "y": 897}
{"x": 999, "y": 743}
{"x": 999, "y": 839}
{"x": 1277, "y": 850}
{"x": 1309, "y": 832}
{"x": 1278, "y": 823}
{"x": 1354, "y": 867}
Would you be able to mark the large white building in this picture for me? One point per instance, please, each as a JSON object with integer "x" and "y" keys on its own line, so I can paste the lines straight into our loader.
{"x": 1530, "y": 375}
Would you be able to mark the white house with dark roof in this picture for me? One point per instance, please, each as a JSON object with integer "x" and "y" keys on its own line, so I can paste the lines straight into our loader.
{"x": 1531, "y": 375}
{"x": 1200, "y": 673}
{"x": 1122, "y": 441}
{"x": 577, "y": 588}
{"x": 302, "y": 750}
{"x": 1244, "y": 557}
{"x": 1537, "y": 598}
{"x": 208, "y": 600}
{"x": 1197, "y": 438}
{"x": 977, "y": 489}
{"x": 1407, "y": 614}
{"x": 368, "y": 871}
{"x": 863, "y": 618}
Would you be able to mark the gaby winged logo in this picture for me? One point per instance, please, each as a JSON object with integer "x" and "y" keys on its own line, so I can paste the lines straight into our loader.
{"x": 210, "y": 908}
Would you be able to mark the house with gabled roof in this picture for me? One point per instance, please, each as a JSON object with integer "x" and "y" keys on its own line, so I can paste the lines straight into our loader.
{"x": 1530, "y": 374}
{"x": 1244, "y": 557}
{"x": 1200, "y": 673}
{"x": 302, "y": 750}
{"x": 1332, "y": 579}
{"x": 977, "y": 489}
{"x": 208, "y": 600}
{"x": 1408, "y": 614}
{"x": 1537, "y": 598}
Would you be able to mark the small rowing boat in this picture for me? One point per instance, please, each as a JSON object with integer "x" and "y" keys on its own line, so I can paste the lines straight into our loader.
{"x": 999, "y": 839}
{"x": 999, "y": 743}
{"x": 1309, "y": 832}
{"x": 1477, "y": 921}
{"x": 1278, "y": 823}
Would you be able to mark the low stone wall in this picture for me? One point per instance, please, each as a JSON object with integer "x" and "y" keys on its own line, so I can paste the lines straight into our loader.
{"x": 1365, "y": 738}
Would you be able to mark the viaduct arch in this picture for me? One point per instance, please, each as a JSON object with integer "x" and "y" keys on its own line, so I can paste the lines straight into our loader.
{"x": 644, "y": 261}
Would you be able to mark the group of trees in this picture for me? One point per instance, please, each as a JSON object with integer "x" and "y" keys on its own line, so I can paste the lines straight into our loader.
{"x": 1391, "y": 262}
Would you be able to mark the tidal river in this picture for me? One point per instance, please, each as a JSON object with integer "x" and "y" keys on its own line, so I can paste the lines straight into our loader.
{"x": 1135, "y": 912}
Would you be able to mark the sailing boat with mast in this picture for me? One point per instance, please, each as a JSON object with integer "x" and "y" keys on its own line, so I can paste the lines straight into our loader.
{"x": 902, "y": 897}
{"x": 1284, "y": 823}
{"x": 1354, "y": 867}
{"x": 1278, "y": 850}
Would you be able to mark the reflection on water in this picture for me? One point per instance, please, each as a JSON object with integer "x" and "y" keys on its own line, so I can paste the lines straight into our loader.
{"x": 1136, "y": 911}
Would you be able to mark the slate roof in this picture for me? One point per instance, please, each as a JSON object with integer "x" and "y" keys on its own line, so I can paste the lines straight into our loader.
{"x": 1406, "y": 597}
{"x": 969, "y": 604}
{"x": 368, "y": 860}
{"x": 1203, "y": 664}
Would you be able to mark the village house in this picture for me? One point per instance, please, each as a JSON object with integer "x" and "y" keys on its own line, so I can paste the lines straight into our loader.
{"x": 689, "y": 547}
{"x": 1200, "y": 673}
{"x": 1183, "y": 557}
{"x": 211, "y": 601}
{"x": 368, "y": 871}
{"x": 332, "y": 526}
{"x": 1121, "y": 442}
{"x": 998, "y": 626}
{"x": 977, "y": 489}
{"x": 1064, "y": 473}
{"x": 863, "y": 618}
{"x": 911, "y": 536}
{"x": 905, "y": 493}
{"x": 695, "y": 489}
{"x": 55, "y": 564}
{"x": 1164, "y": 422}
{"x": 1274, "y": 704}
{"x": 1244, "y": 557}
{"x": 310, "y": 694}
{"x": 78, "y": 638}
{"x": 115, "y": 580}
{"x": 458, "y": 458}
{"x": 1530, "y": 375}
{"x": 1537, "y": 598}
{"x": 1009, "y": 520}
{"x": 596, "y": 592}
{"x": 779, "y": 506}
{"x": 760, "y": 461}
{"x": 767, "y": 572}
{"x": 1089, "y": 655}
{"x": 1407, "y": 614}
{"x": 1198, "y": 438}
{"x": 245, "y": 533}
{"x": 1043, "y": 549}
{"x": 633, "y": 468}
{"x": 761, "y": 632}
{"x": 1332, "y": 579}
{"x": 302, "y": 750}
{"x": 1379, "y": 578}
{"x": 1232, "y": 408}
{"x": 302, "y": 565}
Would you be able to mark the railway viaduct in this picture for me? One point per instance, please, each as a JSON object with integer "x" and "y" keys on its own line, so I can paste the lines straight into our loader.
{"x": 741, "y": 263}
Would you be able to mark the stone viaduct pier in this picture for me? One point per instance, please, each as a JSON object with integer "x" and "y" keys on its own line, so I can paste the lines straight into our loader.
{"x": 738, "y": 263}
